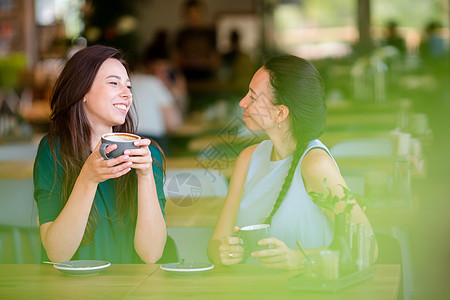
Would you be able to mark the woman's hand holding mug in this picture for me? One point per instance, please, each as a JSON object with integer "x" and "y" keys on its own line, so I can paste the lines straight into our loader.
{"x": 231, "y": 252}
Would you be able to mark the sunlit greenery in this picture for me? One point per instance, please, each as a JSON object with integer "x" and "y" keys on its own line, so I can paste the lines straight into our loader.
{"x": 409, "y": 13}
{"x": 323, "y": 13}
{"x": 317, "y": 13}
{"x": 303, "y": 27}
{"x": 67, "y": 11}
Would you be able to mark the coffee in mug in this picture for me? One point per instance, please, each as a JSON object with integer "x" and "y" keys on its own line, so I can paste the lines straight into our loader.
{"x": 123, "y": 141}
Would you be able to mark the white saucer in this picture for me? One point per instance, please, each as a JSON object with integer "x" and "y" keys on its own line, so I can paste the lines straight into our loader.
{"x": 82, "y": 267}
{"x": 188, "y": 267}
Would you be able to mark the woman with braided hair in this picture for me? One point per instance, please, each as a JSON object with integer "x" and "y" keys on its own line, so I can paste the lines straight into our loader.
{"x": 272, "y": 180}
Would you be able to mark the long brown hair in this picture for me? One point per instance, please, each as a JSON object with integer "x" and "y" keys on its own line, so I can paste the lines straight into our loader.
{"x": 296, "y": 83}
{"x": 70, "y": 130}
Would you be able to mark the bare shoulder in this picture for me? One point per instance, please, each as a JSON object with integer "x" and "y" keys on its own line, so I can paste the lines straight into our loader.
{"x": 317, "y": 165}
{"x": 246, "y": 154}
{"x": 240, "y": 168}
{"x": 317, "y": 159}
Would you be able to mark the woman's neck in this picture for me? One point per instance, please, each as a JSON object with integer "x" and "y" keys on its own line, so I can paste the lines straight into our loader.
{"x": 96, "y": 135}
{"x": 283, "y": 147}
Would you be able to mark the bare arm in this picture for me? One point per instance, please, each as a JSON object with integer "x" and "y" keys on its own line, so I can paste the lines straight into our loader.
{"x": 227, "y": 218}
{"x": 316, "y": 166}
{"x": 150, "y": 233}
{"x": 62, "y": 237}
{"x": 172, "y": 117}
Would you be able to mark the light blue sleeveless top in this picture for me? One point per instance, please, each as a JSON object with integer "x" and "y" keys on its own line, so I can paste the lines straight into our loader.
{"x": 297, "y": 218}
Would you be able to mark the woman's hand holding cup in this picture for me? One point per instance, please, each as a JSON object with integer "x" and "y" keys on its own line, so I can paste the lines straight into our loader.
{"x": 231, "y": 252}
{"x": 132, "y": 146}
{"x": 97, "y": 169}
{"x": 141, "y": 157}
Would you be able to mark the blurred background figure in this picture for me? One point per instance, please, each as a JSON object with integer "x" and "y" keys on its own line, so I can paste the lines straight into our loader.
{"x": 158, "y": 55}
{"x": 393, "y": 37}
{"x": 195, "y": 43}
{"x": 156, "y": 108}
{"x": 432, "y": 45}
{"x": 237, "y": 66}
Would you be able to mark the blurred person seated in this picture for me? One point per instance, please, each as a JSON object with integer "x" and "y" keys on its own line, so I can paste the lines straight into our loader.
{"x": 432, "y": 45}
{"x": 87, "y": 205}
{"x": 156, "y": 109}
{"x": 195, "y": 44}
{"x": 160, "y": 64}
{"x": 236, "y": 66}
{"x": 393, "y": 37}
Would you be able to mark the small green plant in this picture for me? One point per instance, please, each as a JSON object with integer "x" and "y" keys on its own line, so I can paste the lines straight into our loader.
{"x": 326, "y": 200}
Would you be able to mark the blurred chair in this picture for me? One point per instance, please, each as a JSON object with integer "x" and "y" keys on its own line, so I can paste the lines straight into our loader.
{"x": 363, "y": 147}
{"x": 389, "y": 252}
{"x": 191, "y": 242}
{"x": 358, "y": 150}
{"x": 195, "y": 183}
{"x": 19, "y": 245}
{"x": 19, "y": 234}
{"x": 184, "y": 188}
{"x": 17, "y": 206}
{"x": 354, "y": 178}
{"x": 18, "y": 152}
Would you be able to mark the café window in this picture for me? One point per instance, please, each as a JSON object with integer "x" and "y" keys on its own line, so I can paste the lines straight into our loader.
{"x": 319, "y": 29}
{"x": 58, "y": 23}
{"x": 315, "y": 29}
{"x": 50, "y": 12}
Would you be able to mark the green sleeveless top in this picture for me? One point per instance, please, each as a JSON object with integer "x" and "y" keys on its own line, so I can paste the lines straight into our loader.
{"x": 113, "y": 240}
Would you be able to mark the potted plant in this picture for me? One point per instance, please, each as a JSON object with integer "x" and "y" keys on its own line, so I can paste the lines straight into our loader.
{"x": 326, "y": 200}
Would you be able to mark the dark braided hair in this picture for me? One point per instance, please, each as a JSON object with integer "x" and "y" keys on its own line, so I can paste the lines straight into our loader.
{"x": 297, "y": 84}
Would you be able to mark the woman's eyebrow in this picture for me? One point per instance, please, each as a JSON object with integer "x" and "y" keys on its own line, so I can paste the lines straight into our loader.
{"x": 251, "y": 90}
{"x": 118, "y": 77}
{"x": 113, "y": 76}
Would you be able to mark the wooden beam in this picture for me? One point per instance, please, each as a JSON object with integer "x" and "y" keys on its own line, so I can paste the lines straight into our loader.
{"x": 365, "y": 40}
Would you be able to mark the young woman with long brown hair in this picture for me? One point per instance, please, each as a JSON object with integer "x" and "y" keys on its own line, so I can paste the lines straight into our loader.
{"x": 89, "y": 207}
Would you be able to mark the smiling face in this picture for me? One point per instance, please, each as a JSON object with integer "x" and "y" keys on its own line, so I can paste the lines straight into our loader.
{"x": 109, "y": 99}
{"x": 259, "y": 112}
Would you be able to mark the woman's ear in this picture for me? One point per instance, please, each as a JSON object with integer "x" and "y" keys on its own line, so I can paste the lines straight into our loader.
{"x": 283, "y": 113}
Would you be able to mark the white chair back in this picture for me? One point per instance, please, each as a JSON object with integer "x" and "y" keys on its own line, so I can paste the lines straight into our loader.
{"x": 363, "y": 147}
{"x": 195, "y": 183}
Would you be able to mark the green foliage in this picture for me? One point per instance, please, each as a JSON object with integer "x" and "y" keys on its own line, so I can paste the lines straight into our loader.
{"x": 10, "y": 68}
{"x": 326, "y": 200}
{"x": 384, "y": 11}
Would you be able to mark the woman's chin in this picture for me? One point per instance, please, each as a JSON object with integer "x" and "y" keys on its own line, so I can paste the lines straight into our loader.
{"x": 119, "y": 121}
{"x": 253, "y": 127}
